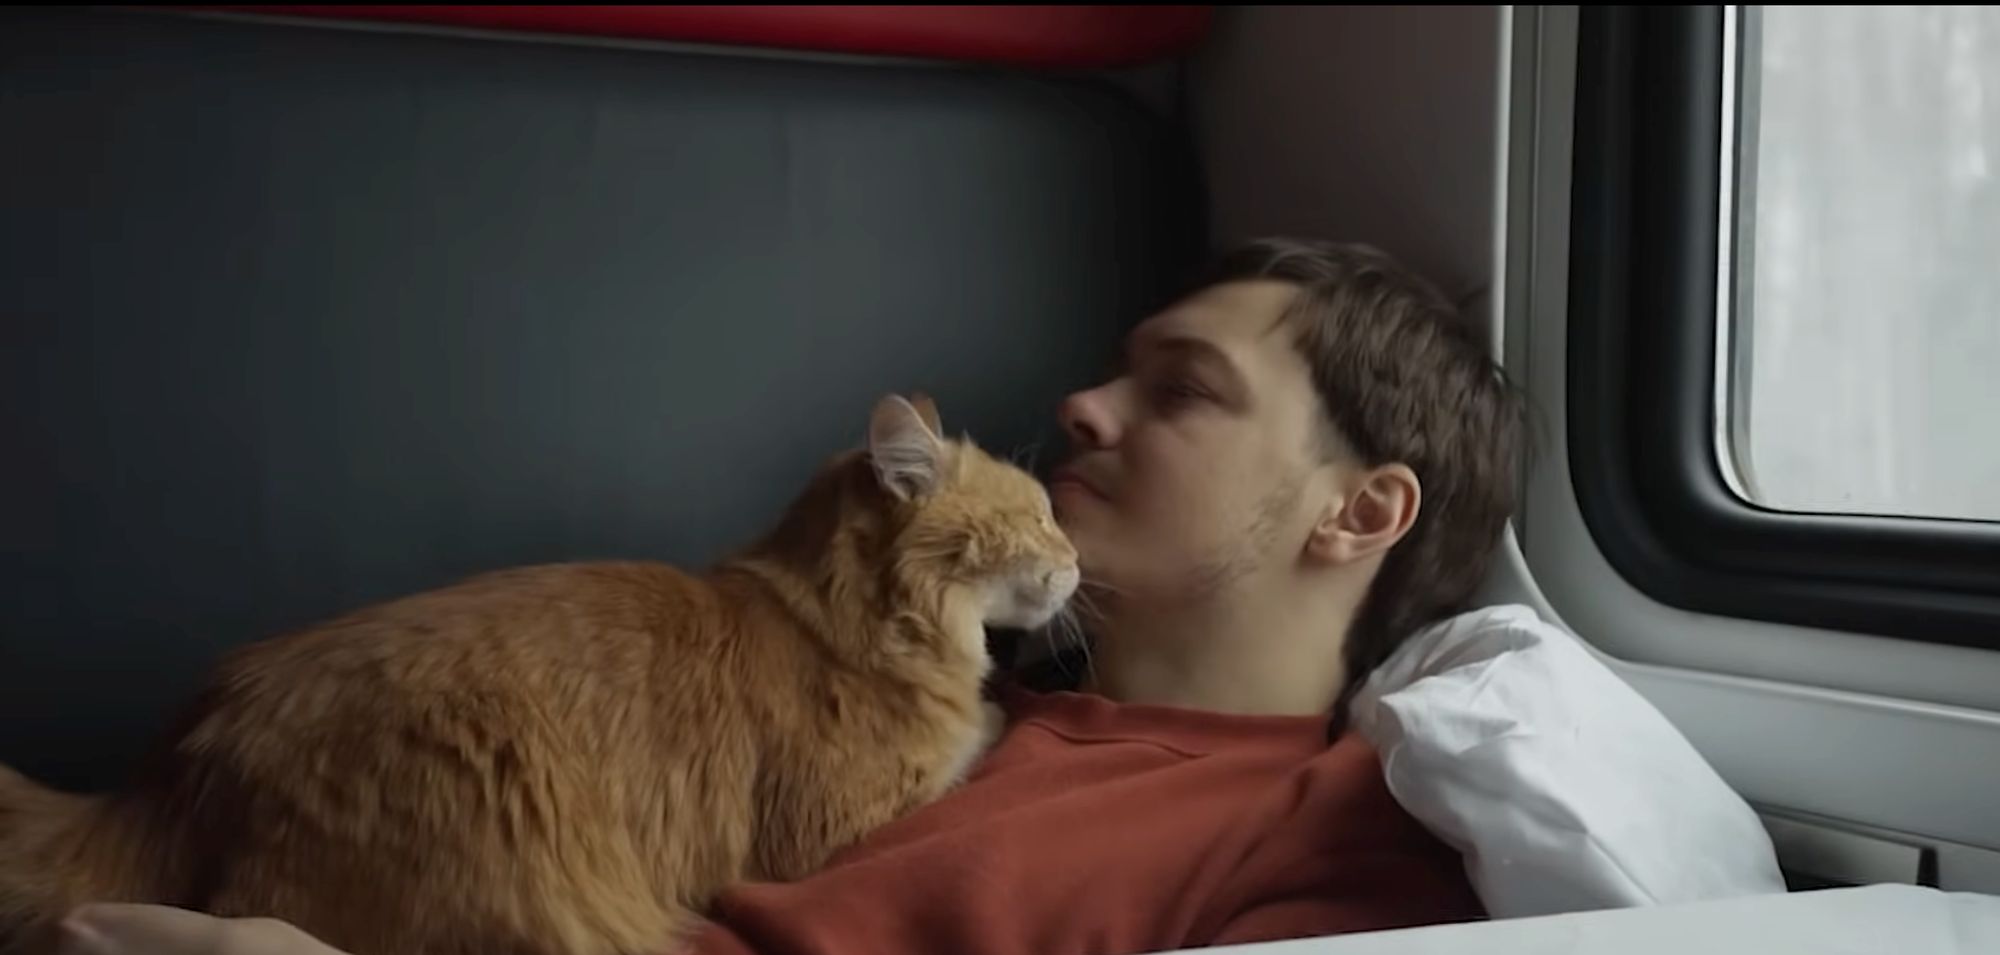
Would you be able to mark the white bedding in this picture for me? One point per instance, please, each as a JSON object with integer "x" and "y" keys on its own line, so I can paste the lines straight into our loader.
{"x": 1563, "y": 787}
{"x": 1873, "y": 920}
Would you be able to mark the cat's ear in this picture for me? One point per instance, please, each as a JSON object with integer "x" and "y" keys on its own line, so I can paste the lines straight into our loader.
{"x": 927, "y": 410}
{"x": 907, "y": 455}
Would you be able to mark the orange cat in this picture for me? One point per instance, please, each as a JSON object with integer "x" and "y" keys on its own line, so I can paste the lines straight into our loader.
{"x": 574, "y": 759}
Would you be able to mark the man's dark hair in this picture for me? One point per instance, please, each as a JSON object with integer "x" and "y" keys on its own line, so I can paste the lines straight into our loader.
{"x": 1401, "y": 377}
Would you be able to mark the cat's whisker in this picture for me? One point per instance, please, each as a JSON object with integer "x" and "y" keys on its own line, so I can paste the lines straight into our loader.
{"x": 1052, "y": 634}
{"x": 1080, "y": 607}
{"x": 1082, "y": 640}
{"x": 1099, "y": 586}
{"x": 1063, "y": 635}
{"x": 1086, "y": 601}
{"x": 1024, "y": 455}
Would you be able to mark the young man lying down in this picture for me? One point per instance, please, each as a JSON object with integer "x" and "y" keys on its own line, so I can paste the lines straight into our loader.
{"x": 1299, "y": 465}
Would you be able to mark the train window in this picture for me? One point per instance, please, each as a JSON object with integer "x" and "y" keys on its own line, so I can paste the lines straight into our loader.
{"x": 1784, "y": 302}
{"x": 1863, "y": 327}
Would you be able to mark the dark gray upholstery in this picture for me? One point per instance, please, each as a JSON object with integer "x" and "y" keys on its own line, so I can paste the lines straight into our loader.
{"x": 297, "y": 319}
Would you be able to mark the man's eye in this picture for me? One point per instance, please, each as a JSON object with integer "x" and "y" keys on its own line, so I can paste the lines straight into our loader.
{"x": 1175, "y": 391}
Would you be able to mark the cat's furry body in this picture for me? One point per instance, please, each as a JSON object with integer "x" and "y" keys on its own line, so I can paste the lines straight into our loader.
{"x": 573, "y": 759}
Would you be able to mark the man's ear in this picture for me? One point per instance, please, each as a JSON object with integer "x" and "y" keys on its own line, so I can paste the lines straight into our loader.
{"x": 1379, "y": 506}
{"x": 907, "y": 455}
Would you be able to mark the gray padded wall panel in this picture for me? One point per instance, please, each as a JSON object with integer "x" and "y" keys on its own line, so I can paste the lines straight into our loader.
{"x": 296, "y": 319}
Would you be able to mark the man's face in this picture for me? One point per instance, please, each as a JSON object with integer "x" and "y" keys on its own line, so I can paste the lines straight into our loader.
{"x": 1186, "y": 470}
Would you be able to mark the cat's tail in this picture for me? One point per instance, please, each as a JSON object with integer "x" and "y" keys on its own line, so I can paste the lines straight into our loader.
{"x": 59, "y": 850}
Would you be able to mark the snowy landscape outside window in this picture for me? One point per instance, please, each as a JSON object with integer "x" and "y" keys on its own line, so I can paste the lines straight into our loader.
{"x": 1862, "y": 366}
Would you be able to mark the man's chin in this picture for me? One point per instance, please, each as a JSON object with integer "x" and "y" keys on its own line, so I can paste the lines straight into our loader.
{"x": 1094, "y": 570}
{"x": 1079, "y": 528}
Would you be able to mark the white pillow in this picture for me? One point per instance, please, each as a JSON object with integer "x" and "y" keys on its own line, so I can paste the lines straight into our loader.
{"x": 1564, "y": 788}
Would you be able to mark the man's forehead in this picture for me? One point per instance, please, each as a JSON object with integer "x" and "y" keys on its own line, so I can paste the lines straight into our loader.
{"x": 1234, "y": 312}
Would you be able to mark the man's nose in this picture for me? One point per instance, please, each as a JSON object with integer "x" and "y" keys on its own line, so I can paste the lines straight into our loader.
{"x": 1089, "y": 418}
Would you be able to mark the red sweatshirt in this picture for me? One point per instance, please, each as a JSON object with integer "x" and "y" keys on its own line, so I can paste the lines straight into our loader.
{"x": 1094, "y": 826}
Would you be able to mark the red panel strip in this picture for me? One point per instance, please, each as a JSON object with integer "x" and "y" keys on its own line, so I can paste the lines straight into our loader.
{"x": 1085, "y": 37}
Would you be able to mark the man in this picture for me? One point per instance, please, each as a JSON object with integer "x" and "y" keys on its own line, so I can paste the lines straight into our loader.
{"x": 1301, "y": 462}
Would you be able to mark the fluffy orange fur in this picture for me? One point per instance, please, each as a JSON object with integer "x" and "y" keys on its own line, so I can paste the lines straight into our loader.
{"x": 574, "y": 759}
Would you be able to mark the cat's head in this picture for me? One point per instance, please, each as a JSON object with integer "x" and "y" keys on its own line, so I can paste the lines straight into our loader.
{"x": 967, "y": 519}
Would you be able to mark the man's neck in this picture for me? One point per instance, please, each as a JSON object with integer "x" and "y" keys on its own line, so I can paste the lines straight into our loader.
{"x": 1245, "y": 652}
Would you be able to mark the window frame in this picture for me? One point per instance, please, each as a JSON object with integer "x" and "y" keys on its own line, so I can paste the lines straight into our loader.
{"x": 1649, "y": 436}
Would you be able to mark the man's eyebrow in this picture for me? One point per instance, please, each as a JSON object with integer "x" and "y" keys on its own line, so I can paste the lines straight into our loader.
{"x": 1190, "y": 347}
